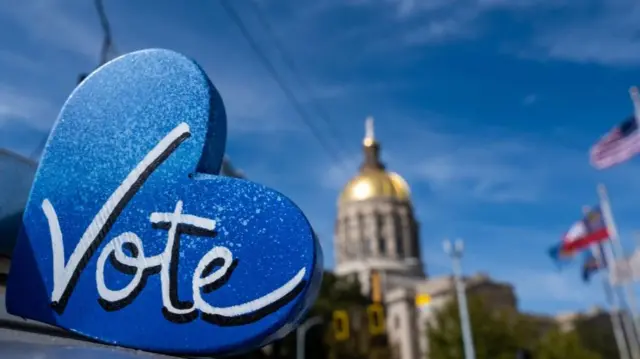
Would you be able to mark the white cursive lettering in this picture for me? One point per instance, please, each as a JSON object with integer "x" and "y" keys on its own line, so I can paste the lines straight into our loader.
{"x": 126, "y": 254}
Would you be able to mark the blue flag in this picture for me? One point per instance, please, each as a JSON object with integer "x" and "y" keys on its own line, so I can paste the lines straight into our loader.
{"x": 560, "y": 255}
{"x": 591, "y": 264}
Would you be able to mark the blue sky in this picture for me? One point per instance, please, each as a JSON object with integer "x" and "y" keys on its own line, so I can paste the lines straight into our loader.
{"x": 486, "y": 107}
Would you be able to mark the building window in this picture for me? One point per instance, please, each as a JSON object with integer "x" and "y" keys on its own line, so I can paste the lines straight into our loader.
{"x": 398, "y": 234}
{"x": 382, "y": 245}
{"x": 396, "y": 322}
{"x": 400, "y": 247}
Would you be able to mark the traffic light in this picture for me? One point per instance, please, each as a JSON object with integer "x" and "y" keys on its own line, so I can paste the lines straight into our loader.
{"x": 375, "y": 316}
{"x": 341, "y": 325}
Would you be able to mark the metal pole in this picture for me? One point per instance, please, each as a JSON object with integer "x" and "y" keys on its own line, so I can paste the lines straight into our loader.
{"x": 614, "y": 309}
{"x": 455, "y": 252}
{"x": 626, "y": 318}
{"x": 615, "y": 250}
{"x": 636, "y": 236}
{"x": 301, "y": 334}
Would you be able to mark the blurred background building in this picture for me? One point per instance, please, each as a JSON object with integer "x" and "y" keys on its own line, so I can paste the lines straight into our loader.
{"x": 16, "y": 176}
{"x": 377, "y": 232}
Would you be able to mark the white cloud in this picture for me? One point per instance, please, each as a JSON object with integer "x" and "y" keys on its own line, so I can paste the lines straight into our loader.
{"x": 488, "y": 166}
{"x": 485, "y": 168}
{"x": 607, "y": 37}
{"x": 21, "y": 62}
{"x": 337, "y": 175}
{"x": 482, "y": 174}
{"x": 18, "y": 105}
{"x": 460, "y": 166}
{"x": 530, "y": 99}
{"x": 437, "y": 31}
{"x": 432, "y": 22}
{"x": 564, "y": 287}
{"x": 46, "y": 21}
{"x": 595, "y": 31}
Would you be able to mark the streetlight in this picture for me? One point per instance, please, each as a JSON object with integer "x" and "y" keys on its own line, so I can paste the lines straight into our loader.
{"x": 455, "y": 252}
{"x": 301, "y": 333}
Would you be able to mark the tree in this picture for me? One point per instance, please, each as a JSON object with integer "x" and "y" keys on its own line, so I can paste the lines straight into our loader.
{"x": 558, "y": 345}
{"x": 598, "y": 336}
{"x": 500, "y": 334}
{"x": 496, "y": 334}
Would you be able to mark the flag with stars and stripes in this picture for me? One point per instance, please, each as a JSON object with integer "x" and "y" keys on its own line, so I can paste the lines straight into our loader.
{"x": 622, "y": 142}
{"x": 619, "y": 145}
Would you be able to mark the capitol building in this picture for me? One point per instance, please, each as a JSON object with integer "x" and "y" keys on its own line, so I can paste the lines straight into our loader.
{"x": 377, "y": 232}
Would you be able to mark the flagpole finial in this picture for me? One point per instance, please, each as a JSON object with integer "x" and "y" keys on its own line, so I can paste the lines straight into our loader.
{"x": 369, "y": 133}
{"x": 602, "y": 190}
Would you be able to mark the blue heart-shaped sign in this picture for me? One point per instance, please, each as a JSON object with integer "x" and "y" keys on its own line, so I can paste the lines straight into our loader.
{"x": 130, "y": 238}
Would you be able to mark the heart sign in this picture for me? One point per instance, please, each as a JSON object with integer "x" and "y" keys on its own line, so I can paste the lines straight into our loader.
{"x": 129, "y": 236}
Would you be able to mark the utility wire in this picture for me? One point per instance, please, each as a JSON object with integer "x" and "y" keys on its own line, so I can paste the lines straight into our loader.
{"x": 107, "y": 42}
{"x": 274, "y": 73}
{"x": 293, "y": 68}
{"x": 105, "y": 51}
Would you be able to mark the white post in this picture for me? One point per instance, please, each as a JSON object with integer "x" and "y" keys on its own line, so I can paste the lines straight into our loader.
{"x": 455, "y": 252}
{"x": 614, "y": 309}
{"x": 301, "y": 334}
{"x": 615, "y": 252}
{"x": 635, "y": 99}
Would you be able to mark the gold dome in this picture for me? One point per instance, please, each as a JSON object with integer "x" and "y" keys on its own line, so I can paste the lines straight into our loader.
{"x": 373, "y": 181}
{"x": 376, "y": 184}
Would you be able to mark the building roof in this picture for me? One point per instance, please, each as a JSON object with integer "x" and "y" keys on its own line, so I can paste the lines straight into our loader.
{"x": 373, "y": 180}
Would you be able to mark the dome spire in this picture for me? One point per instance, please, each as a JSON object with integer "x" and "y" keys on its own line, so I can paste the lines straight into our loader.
{"x": 369, "y": 133}
{"x": 371, "y": 148}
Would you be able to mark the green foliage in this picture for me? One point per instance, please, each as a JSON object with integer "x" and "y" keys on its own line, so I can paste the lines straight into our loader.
{"x": 495, "y": 333}
{"x": 598, "y": 337}
{"x": 557, "y": 345}
{"x": 499, "y": 334}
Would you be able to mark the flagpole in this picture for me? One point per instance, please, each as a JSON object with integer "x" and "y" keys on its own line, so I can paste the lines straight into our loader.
{"x": 613, "y": 250}
{"x": 614, "y": 310}
{"x": 623, "y": 326}
{"x": 635, "y": 99}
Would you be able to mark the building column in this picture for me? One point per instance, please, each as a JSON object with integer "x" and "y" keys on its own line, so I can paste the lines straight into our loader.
{"x": 390, "y": 234}
{"x": 406, "y": 233}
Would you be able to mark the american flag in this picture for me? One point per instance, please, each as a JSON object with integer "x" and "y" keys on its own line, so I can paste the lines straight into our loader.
{"x": 621, "y": 143}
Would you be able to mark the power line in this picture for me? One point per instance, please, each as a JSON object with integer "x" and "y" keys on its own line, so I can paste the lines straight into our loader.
{"x": 106, "y": 49}
{"x": 107, "y": 42}
{"x": 289, "y": 61}
{"x": 274, "y": 73}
